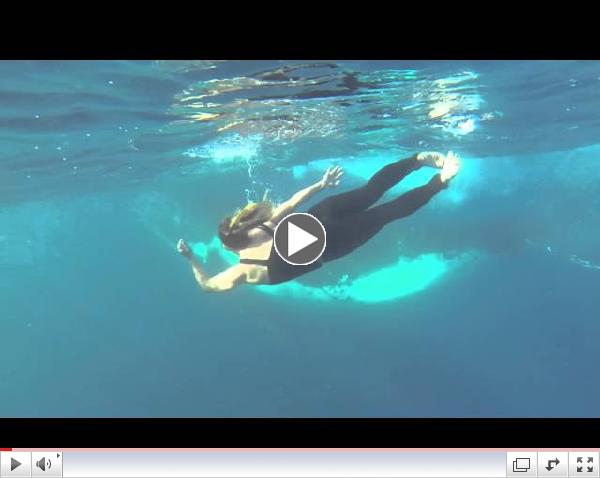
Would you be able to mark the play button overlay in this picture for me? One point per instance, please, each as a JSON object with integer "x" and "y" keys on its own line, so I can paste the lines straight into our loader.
{"x": 14, "y": 464}
{"x": 300, "y": 239}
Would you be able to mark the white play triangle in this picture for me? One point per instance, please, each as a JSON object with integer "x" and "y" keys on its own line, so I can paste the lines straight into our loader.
{"x": 298, "y": 239}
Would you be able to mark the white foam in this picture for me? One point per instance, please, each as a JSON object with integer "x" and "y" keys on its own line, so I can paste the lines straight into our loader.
{"x": 233, "y": 148}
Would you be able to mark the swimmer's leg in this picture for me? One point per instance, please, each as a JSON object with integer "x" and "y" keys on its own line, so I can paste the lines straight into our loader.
{"x": 344, "y": 235}
{"x": 416, "y": 198}
{"x": 362, "y": 198}
{"x": 407, "y": 203}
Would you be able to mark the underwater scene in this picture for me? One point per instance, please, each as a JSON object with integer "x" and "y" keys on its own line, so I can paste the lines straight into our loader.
{"x": 485, "y": 302}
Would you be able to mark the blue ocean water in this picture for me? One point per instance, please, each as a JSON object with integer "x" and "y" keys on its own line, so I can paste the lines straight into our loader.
{"x": 483, "y": 303}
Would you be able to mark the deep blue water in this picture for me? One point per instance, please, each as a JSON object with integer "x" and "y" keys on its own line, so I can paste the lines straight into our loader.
{"x": 491, "y": 311}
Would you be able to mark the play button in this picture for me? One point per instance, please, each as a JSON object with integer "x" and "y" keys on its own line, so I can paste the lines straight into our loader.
{"x": 15, "y": 464}
{"x": 299, "y": 239}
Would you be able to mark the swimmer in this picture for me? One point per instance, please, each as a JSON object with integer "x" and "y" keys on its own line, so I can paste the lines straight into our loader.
{"x": 348, "y": 217}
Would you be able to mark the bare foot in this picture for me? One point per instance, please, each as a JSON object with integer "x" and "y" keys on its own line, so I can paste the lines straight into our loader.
{"x": 450, "y": 168}
{"x": 432, "y": 159}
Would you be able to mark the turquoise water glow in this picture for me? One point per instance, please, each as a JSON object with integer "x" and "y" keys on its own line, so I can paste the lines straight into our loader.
{"x": 483, "y": 303}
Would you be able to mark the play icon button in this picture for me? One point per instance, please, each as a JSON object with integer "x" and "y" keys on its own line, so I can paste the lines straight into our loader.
{"x": 16, "y": 464}
{"x": 300, "y": 239}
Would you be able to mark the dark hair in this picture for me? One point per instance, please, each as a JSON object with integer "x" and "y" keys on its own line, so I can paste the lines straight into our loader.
{"x": 233, "y": 230}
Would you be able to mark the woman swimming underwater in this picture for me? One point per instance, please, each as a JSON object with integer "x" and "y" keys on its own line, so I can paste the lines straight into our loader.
{"x": 348, "y": 218}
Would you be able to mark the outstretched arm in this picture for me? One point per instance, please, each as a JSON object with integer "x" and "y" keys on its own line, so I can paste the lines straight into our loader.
{"x": 222, "y": 282}
{"x": 330, "y": 179}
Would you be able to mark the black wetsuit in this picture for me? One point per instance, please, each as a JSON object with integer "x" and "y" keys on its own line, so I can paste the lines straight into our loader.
{"x": 279, "y": 270}
{"x": 350, "y": 221}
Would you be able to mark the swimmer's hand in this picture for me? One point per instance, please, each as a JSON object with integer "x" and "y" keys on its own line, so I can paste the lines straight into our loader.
{"x": 184, "y": 249}
{"x": 331, "y": 178}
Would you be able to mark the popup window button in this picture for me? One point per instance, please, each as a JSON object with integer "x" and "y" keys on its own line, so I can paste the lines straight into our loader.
{"x": 521, "y": 464}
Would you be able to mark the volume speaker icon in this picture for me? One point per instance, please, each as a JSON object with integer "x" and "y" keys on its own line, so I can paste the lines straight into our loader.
{"x": 43, "y": 464}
